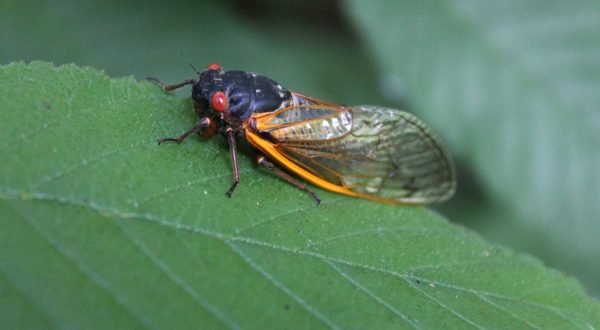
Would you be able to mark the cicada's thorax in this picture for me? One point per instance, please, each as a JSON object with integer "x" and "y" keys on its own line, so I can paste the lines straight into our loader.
{"x": 252, "y": 94}
{"x": 246, "y": 92}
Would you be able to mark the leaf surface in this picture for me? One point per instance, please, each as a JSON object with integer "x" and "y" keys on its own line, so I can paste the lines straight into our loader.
{"x": 103, "y": 228}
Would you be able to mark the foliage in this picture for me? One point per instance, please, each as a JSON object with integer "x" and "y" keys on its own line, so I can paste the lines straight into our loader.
{"x": 103, "y": 228}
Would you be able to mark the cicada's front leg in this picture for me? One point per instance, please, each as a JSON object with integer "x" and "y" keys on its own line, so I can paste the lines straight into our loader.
{"x": 203, "y": 123}
{"x": 168, "y": 88}
{"x": 233, "y": 150}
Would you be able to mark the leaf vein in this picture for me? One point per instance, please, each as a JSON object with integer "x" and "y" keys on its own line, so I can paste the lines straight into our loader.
{"x": 311, "y": 310}
{"x": 347, "y": 277}
{"x": 337, "y": 201}
{"x": 441, "y": 304}
{"x": 371, "y": 231}
{"x": 111, "y": 212}
{"x": 506, "y": 311}
{"x": 186, "y": 185}
{"x": 30, "y": 301}
{"x": 84, "y": 163}
{"x": 179, "y": 282}
{"x": 90, "y": 275}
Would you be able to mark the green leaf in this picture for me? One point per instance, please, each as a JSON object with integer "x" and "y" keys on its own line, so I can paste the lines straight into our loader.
{"x": 513, "y": 87}
{"x": 103, "y": 228}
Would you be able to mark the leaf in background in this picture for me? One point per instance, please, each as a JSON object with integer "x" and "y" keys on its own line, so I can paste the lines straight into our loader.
{"x": 102, "y": 228}
{"x": 513, "y": 86}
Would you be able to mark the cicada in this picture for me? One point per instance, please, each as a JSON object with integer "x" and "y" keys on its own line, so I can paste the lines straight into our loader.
{"x": 364, "y": 151}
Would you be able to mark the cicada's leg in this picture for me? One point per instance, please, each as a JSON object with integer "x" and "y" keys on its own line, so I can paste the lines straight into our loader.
{"x": 263, "y": 161}
{"x": 204, "y": 122}
{"x": 168, "y": 88}
{"x": 233, "y": 150}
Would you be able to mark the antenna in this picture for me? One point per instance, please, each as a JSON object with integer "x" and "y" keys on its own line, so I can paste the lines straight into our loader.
{"x": 189, "y": 63}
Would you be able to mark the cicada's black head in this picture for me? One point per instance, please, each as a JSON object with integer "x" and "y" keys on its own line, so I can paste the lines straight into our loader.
{"x": 237, "y": 93}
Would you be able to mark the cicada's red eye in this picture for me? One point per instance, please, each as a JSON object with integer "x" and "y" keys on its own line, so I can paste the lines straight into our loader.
{"x": 213, "y": 66}
{"x": 219, "y": 101}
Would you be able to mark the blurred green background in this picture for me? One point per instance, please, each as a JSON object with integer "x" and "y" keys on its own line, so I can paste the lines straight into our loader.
{"x": 510, "y": 86}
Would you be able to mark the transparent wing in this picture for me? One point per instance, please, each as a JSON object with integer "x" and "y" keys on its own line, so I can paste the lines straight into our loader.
{"x": 375, "y": 152}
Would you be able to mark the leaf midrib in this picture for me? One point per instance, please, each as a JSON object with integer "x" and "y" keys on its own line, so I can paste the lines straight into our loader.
{"x": 108, "y": 212}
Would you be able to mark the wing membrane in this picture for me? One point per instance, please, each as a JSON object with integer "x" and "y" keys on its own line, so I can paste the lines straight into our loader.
{"x": 368, "y": 151}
